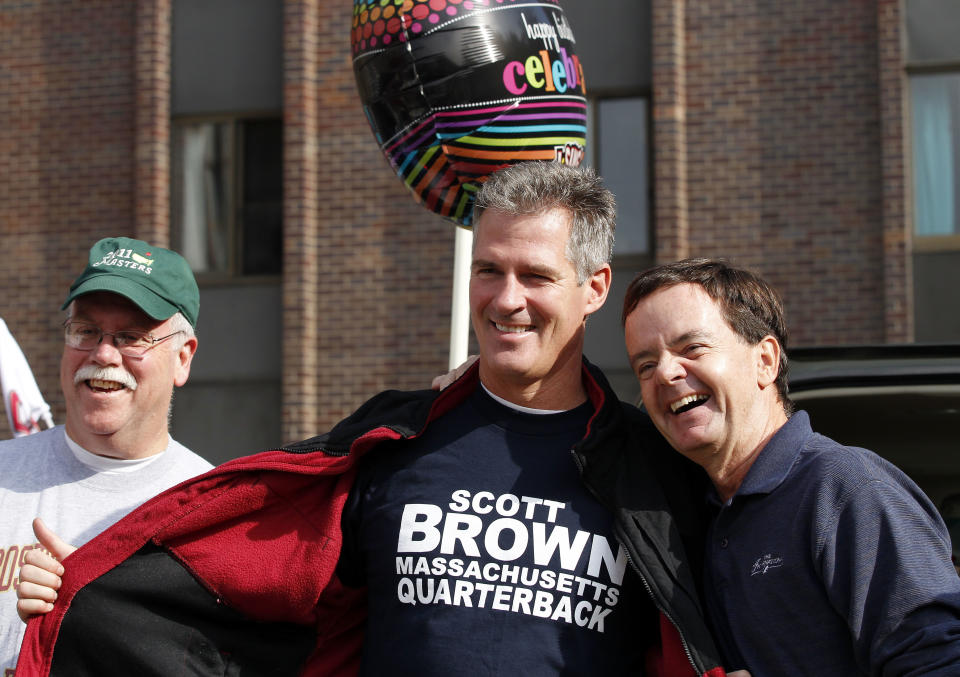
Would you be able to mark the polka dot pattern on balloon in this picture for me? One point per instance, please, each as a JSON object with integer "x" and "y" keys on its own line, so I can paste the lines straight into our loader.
{"x": 454, "y": 90}
{"x": 377, "y": 23}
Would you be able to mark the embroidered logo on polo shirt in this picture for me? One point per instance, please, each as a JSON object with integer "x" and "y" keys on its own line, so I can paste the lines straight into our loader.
{"x": 765, "y": 563}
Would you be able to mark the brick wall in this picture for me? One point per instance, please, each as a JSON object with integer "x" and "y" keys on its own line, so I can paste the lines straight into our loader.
{"x": 152, "y": 121}
{"x": 783, "y": 140}
{"x": 67, "y": 135}
{"x": 672, "y": 225}
{"x": 778, "y": 132}
{"x": 84, "y": 153}
{"x": 367, "y": 279}
{"x": 897, "y": 221}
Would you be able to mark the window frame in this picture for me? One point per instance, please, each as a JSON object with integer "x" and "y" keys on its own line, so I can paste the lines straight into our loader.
{"x": 594, "y": 158}
{"x": 927, "y": 243}
{"x": 234, "y": 192}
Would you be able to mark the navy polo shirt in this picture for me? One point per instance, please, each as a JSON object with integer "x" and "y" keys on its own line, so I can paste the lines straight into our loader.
{"x": 830, "y": 561}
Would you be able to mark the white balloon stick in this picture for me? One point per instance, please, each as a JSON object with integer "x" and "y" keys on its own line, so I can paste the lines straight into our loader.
{"x": 460, "y": 303}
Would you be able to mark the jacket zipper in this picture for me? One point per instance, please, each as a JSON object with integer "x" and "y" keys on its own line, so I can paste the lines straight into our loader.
{"x": 618, "y": 530}
{"x": 636, "y": 569}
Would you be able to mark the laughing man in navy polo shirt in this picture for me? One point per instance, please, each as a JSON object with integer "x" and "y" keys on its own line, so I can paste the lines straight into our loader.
{"x": 821, "y": 559}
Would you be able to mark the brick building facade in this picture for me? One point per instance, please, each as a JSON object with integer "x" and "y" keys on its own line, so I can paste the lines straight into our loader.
{"x": 778, "y": 136}
{"x": 84, "y": 128}
{"x": 779, "y": 143}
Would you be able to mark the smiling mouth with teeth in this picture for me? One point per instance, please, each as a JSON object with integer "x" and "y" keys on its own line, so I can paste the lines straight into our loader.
{"x": 687, "y": 403}
{"x": 97, "y": 384}
{"x": 513, "y": 328}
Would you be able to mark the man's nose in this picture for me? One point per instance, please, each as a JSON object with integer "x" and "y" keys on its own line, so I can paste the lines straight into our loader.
{"x": 510, "y": 296}
{"x": 106, "y": 352}
{"x": 670, "y": 369}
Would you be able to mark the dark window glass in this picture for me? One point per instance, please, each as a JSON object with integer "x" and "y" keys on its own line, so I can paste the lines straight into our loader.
{"x": 262, "y": 201}
{"x": 227, "y": 195}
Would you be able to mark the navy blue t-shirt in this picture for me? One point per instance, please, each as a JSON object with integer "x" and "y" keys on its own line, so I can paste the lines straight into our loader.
{"x": 484, "y": 554}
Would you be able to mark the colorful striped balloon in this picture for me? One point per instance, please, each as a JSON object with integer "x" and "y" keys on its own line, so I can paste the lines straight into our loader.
{"x": 456, "y": 89}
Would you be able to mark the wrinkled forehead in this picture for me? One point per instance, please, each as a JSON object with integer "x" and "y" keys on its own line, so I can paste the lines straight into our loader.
{"x": 503, "y": 229}
{"x": 538, "y": 215}
{"x": 681, "y": 309}
{"x": 102, "y": 306}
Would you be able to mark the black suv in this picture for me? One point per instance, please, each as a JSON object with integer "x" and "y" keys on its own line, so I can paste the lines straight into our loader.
{"x": 901, "y": 401}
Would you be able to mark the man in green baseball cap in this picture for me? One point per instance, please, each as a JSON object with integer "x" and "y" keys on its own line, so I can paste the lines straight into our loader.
{"x": 118, "y": 389}
{"x": 128, "y": 341}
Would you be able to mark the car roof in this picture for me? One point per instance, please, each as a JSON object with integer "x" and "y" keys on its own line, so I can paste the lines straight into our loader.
{"x": 900, "y": 401}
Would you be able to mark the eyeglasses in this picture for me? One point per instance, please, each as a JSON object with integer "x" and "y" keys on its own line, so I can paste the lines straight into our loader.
{"x": 129, "y": 342}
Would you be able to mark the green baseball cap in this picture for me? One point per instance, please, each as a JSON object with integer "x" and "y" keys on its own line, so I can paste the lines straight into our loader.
{"x": 158, "y": 280}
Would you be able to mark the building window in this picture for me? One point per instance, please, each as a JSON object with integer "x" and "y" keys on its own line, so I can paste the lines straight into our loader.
{"x": 620, "y": 154}
{"x": 933, "y": 67}
{"x": 935, "y": 102}
{"x": 227, "y": 195}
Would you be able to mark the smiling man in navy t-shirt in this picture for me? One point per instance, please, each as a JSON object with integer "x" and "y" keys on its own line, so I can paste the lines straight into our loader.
{"x": 480, "y": 545}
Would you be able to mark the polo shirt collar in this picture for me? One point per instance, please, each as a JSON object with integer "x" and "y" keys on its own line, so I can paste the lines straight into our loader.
{"x": 773, "y": 464}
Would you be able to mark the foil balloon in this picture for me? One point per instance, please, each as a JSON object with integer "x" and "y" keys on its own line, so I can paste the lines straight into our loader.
{"x": 456, "y": 89}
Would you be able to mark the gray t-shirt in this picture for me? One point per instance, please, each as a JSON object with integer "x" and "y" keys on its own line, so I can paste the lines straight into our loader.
{"x": 41, "y": 476}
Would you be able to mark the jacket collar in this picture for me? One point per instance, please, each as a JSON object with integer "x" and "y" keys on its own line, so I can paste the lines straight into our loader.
{"x": 395, "y": 414}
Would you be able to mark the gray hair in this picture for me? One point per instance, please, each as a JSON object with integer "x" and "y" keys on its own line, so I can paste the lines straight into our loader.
{"x": 180, "y": 323}
{"x": 535, "y": 187}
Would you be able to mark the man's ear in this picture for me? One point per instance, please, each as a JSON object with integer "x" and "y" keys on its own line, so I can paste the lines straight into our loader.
{"x": 599, "y": 287}
{"x": 768, "y": 361}
{"x": 184, "y": 357}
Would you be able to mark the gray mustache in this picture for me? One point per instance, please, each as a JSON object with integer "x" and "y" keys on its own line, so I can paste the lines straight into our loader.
{"x": 121, "y": 376}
